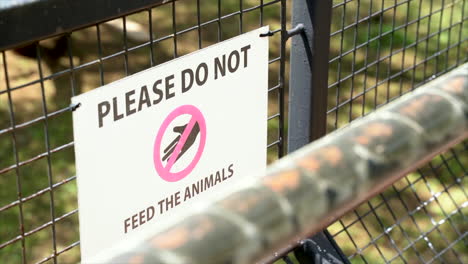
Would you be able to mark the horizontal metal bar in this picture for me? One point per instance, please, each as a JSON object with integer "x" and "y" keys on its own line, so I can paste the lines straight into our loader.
{"x": 22, "y": 24}
{"x": 314, "y": 186}
{"x": 61, "y": 17}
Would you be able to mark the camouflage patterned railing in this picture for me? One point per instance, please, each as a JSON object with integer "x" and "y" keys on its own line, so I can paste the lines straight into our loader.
{"x": 312, "y": 187}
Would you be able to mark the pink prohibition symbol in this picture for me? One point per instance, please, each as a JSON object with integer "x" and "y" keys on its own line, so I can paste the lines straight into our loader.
{"x": 165, "y": 171}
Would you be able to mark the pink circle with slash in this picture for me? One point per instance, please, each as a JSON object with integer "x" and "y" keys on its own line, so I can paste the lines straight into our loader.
{"x": 196, "y": 117}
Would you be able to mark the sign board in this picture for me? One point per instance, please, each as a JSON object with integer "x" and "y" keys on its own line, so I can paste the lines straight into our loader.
{"x": 151, "y": 145}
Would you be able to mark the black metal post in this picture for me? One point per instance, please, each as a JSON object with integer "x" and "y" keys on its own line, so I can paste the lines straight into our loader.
{"x": 309, "y": 72}
{"x": 308, "y": 102}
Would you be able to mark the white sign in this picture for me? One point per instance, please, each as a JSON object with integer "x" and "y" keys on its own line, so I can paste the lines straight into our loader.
{"x": 151, "y": 145}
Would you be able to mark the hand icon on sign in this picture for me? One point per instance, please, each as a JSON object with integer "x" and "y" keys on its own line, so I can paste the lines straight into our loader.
{"x": 193, "y": 133}
{"x": 168, "y": 151}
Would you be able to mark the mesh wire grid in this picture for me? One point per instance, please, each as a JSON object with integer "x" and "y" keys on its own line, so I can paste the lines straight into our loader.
{"x": 379, "y": 50}
{"x": 38, "y": 204}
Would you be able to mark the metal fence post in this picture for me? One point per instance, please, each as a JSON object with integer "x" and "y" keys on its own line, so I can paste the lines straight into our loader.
{"x": 308, "y": 102}
{"x": 309, "y": 73}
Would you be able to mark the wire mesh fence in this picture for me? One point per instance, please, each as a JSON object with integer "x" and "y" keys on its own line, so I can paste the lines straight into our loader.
{"x": 378, "y": 51}
{"x": 420, "y": 219}
{"x": 38, "y": 206}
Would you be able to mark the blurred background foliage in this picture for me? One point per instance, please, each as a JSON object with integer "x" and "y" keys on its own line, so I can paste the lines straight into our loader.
{"x": 384, "y": 28}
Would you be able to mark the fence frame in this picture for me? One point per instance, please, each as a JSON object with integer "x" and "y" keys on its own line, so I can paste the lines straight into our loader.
{"x": 51, "y": 13}
{"x": 308, "y": 87}
{"x": 308, "y": 92}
